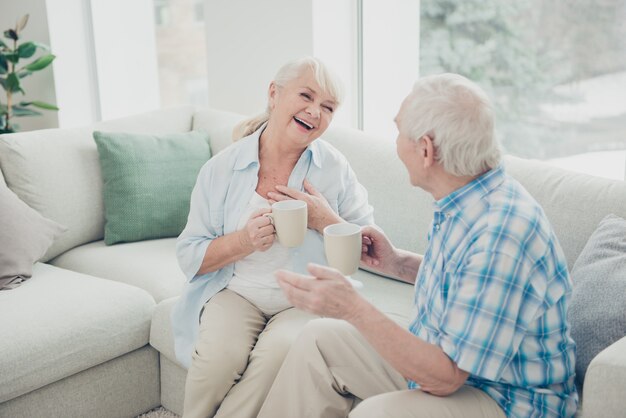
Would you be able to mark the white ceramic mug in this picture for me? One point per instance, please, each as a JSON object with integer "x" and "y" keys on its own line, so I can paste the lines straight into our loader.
{"x": 289, "y": 218}
{"x": 342, "y": 245}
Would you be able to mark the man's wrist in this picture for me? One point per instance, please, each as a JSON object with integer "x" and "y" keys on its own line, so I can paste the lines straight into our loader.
{"x": 359, "y": 311}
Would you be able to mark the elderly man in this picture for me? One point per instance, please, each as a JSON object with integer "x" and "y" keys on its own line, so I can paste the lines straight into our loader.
{"x": 490, "y": 337}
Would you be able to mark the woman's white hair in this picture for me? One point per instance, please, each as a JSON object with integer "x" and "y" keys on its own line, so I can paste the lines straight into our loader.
{"x": 327, "y": 80}
{"x": 458, "y": 116}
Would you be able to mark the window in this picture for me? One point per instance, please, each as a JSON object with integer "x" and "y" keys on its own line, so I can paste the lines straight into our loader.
{"x": 161, "y": 12}
{"x": 198, "y": 11}
{"x": 555, "y": 70}
{"x": 181, "y": 54}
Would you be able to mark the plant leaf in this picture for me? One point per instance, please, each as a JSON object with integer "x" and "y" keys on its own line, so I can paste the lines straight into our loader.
{"x": 11, "y": 34}
{"x": 13, "y": 57}
{"x": 4, "y": 66}
{"x": 24, "y": 111}
{"x": 22, "y": 23}
{"x": 2, "y": 44}
{"x": 24, "y": 73}
{"x": 42, "y": 46}
{"x": 40, "y": 63}
{"x": 13, "y": 83}
{"x": 3, "y": 83}
{"x": 44, "y": 105}
{"x": 26, "y": 50}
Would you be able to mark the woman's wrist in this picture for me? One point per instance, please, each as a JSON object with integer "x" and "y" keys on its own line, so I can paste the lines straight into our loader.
{"x": 245, "y": 245}
{"x": 328, "y": 220}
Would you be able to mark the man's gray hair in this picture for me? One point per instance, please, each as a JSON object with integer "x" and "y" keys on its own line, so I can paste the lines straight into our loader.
{"x": 458, "y": 116}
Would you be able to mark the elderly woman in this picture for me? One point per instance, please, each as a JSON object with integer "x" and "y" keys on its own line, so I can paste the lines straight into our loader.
{"x": 233, "y": 326}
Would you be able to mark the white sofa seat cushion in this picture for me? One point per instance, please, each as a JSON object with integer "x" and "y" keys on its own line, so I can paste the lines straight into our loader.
{"x": 390, "y": 296}
{"x": 150, "y": 265}
{"x": 59, "y": 323}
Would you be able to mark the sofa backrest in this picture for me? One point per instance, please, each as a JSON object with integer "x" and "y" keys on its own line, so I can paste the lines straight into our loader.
{"x": 57, "y": 171}
{"x": 398, "y": 208}
{"x": 575, "y": 203}
{"x": 218, "y": 124}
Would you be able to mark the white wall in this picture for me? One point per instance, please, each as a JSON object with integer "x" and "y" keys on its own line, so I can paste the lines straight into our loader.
{"x": 390, "y": 60}
{"x": 40, "y": 85}
{"x": 335, "y": 42}
{"x": 75, "y": 76}
{"x": 247, "y": 41}
{"x": 125, "y": 49}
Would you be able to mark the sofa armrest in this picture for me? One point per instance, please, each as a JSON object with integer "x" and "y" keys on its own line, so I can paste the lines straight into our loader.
{"x": 605, "y": 380}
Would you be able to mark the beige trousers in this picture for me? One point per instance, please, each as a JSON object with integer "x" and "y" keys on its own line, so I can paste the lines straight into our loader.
{"x": 331, "y": 367}
{"x": 238, "y": 354}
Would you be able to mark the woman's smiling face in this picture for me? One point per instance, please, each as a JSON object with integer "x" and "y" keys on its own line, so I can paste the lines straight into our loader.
{"x": 301, "y": 110}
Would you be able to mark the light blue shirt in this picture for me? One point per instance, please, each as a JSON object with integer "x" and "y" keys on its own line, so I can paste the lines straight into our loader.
{"x": 224, "y": 186}
{"x": 493, "y": 290}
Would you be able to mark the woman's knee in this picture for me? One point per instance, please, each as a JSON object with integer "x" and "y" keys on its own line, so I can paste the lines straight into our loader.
{"x": 322, "y": 330}
{"x": 220, "y": 360}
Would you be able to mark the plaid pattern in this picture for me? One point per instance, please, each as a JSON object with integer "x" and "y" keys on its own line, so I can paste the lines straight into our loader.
{"x": 492, "y": 292}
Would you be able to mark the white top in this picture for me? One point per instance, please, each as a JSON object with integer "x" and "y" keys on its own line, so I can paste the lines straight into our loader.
{"x": 253, "y": 276}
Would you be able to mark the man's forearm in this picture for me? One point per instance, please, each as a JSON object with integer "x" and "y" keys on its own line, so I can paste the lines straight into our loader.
{"x": 417, "y": 360}
{"x": 407, "y": 265}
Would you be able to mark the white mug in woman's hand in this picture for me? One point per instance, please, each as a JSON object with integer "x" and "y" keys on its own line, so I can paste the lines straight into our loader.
{"x": 289, "y": 218}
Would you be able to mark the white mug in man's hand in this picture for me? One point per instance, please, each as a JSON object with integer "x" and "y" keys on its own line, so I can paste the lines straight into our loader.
{"x": 342, "y": 245}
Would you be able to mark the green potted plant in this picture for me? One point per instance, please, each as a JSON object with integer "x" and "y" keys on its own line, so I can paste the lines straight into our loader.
{"x": 11, "y": 74}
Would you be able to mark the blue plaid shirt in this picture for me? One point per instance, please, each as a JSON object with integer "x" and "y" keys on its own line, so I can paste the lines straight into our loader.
{"x": 493, "y": 291}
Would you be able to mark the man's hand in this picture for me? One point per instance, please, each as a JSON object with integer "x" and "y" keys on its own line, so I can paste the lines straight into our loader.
{"x": 319, "y": 211}
{"x": 379, "y": 254}
{"x": 327, "y": 293}
{"x": 258, "y": 234}
{"x": 377, "y": 250}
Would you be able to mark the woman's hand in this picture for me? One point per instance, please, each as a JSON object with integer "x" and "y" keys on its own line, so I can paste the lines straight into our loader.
{"x": 319, "y": 211}
{"x": 258, "y": 234}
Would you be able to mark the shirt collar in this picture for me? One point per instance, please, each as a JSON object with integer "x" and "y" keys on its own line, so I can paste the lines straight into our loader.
{"x": 471, "y": 192}
{"x": 250, "y": 152}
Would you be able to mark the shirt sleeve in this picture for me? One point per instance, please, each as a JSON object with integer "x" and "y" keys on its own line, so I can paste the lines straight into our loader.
{"x": 489, "y": 306}
{"x": 353, "y": 204}
{"x": 202, "y": 228}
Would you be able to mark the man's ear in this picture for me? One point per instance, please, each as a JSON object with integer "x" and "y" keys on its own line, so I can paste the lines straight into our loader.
{"x": 427, "y": 150}
{"x": 271, "y": 94}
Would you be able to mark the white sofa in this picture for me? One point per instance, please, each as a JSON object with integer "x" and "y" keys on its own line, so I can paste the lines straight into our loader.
{"x": 89, "y": 334}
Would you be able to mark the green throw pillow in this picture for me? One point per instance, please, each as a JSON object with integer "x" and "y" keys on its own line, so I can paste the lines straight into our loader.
{"x": 148, "y": 181}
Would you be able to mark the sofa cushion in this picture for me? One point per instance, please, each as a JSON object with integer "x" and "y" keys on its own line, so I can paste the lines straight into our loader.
{"x": 25, "y": 236}
{"x": 60, "y": 322}
{"x": 390, "y": 296}
{"x": 57, "y": 172}
{"x": 598, "y": 308}
{"x": 150, "y": 265}
{"x": 148, "y": 181}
